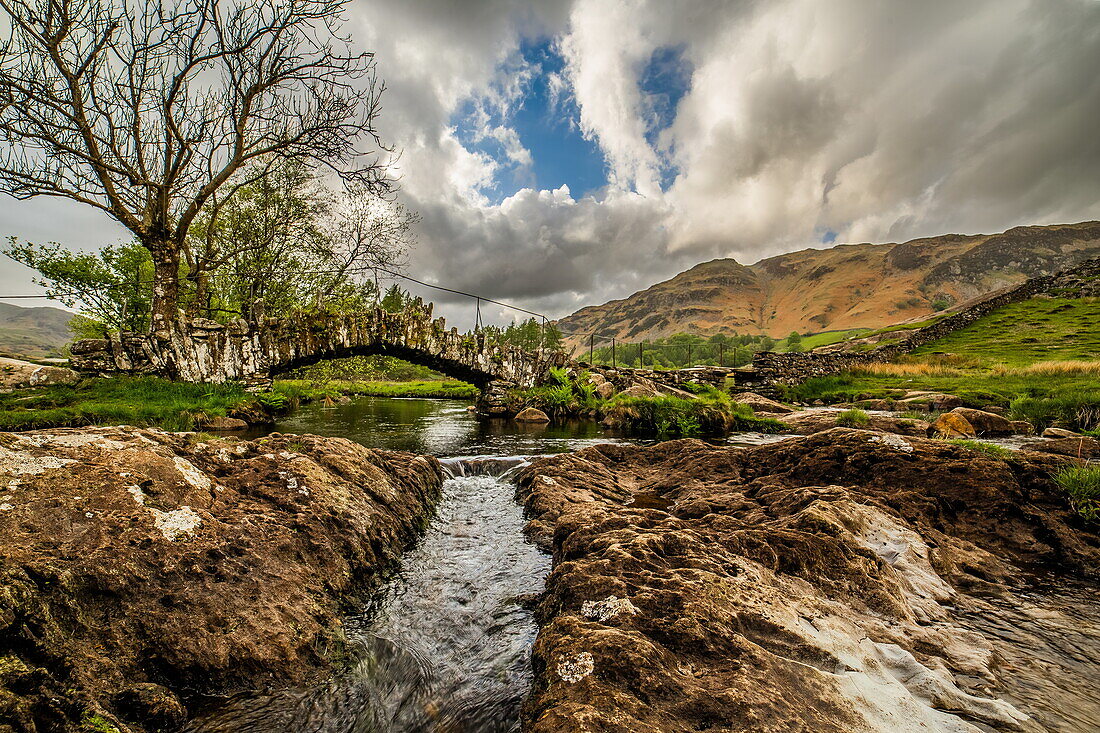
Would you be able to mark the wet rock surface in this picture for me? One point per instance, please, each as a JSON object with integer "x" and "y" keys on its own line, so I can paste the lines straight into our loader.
{"x": 846, "y": 581}
{"x": 806, "y": 422}
{"x": 142, "y": 571}
{"x": 1081, "y": 446}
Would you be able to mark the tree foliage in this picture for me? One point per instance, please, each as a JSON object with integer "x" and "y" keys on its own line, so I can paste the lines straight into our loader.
{"x": 282, "y": 243}
{"x": 149, "y": 111}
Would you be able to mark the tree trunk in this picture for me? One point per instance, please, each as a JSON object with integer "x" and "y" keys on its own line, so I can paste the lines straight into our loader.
{"x": 169, "y": 341}
{"x": 166, "y": 289}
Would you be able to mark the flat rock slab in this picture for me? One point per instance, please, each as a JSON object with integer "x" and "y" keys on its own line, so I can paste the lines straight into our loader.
{"x": 18, "y": 374}
{"x": 138, "y": 567}
{"x": 817, "y": 584}
{"x": 806, "y": 422}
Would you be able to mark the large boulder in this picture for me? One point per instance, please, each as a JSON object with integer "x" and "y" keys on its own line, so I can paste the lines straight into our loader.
{"x": 532, "y": 415}
{"x": 931, "y": 401}
{"x": 1059, "y": 433}
{"x": 1079, "y": 446}
{"x": 604, "y": 389}
{"x": 952, "y": 425}
{"x": 223, "y": 424}
{"x": 19, "y": 374}
{"x": 762, "y": 404}
{"x": 985, "y": 423}
{"x": 141, "y": 571}
{"x": 644, "y": 391}
{"x": 838, "y": 582}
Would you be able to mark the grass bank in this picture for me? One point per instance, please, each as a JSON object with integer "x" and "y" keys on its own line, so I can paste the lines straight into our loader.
{"x": 1045, "y": 393}
{"x": 141, "y": 401}
{"x": 668, "y": 416}
{"x": 710, "y": 412}
{"x": 1035, "y": 330}
{"x": 306, "y": 391}
{"x": 177, "y": 406}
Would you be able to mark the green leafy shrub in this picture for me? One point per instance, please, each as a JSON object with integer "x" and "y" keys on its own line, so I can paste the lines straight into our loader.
{"x": 586, "y": 393}
{"x": 669, "y": 415}
{"x": 1082, "y": 485}
{"x": 275, "y": 401}
{"x": 559, "y": 376}
{"x": 853, "y": 419}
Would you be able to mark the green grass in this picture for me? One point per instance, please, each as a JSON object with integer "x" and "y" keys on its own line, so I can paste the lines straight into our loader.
{"x": 1039, "y": 329}
{"x": 906, "y": 326}
{"x": 97, "y": 724}
{"x": 1082, "y": 485}
{"x": 712, "y": 413}
{"x": 305, "y": 391}
{"x": 853, "y": 419}
{"x": 826, "y": 338}
{"x": 993, "y": 451}
{"x": 978, "y": 389}
{"x": 141, "y": 401}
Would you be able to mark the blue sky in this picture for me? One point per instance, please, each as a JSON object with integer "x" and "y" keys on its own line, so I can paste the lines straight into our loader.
{"x": 548, "y": 128}
{"x": 548, "y": 123}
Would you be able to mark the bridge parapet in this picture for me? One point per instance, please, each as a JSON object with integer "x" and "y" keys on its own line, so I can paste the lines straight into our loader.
{"x": 206, "y": 351}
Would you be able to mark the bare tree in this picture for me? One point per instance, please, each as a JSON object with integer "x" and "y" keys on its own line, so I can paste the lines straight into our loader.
{"x": 146, "y": 109}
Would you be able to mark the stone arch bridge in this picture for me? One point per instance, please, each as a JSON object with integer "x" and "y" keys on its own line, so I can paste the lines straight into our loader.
{"x": 206, "y": 351}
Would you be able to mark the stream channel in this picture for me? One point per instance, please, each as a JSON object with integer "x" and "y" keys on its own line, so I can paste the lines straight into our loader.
{"x": 444, "y": 645}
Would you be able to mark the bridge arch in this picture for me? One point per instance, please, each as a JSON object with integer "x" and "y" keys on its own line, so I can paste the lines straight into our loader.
{"x": 446, "y": 366}
{"x": 206, "y": 351}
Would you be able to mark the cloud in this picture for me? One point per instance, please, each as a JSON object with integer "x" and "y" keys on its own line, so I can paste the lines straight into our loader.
{"x": 784, "y": 121}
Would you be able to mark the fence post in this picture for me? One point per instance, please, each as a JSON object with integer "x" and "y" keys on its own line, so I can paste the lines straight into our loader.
{"x": 721, "y": 355}
{"x": 641, "y": 361}
{"x": 591, "y": 347}
{"x": 689, "y": 356}
{"x": 614, "y": 365}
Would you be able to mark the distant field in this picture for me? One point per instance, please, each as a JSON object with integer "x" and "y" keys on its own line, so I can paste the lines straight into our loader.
{"x": 826, "y": 338}
{"x": 1040, "y": 329}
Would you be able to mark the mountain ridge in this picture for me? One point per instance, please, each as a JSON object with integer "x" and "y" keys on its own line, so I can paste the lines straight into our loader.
{"x": 843, "y": 287}
{"x": 36, "y": 333}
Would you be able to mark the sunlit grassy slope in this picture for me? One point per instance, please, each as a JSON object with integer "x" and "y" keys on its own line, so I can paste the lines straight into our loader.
{"x": 1040, "y": 329}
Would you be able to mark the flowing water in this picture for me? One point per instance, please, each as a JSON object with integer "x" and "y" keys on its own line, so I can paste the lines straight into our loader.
{"x": 444, "y": 646}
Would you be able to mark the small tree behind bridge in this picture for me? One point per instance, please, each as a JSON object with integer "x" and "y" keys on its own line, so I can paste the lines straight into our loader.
{"x": 146, "y": 109}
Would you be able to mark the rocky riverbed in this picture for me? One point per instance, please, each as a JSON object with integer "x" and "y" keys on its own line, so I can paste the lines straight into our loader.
{"x": 846, "y": 581}
{"x": 142, "y": 572}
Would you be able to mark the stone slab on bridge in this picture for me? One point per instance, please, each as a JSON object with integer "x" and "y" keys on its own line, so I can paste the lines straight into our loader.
{"x": 205, "y": 351}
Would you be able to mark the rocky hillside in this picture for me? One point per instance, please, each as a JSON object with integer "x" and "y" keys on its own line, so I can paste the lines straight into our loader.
{"x": 845, "y": 287}
{"x": 33, "y": 332}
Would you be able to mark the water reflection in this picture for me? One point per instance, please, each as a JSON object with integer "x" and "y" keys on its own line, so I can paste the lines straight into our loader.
{"x": 1044, "y": 639}
{"x": 439, "y": 428}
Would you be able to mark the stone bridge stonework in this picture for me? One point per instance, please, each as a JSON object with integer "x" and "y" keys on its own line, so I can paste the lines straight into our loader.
{"x": 206, "y": 351}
